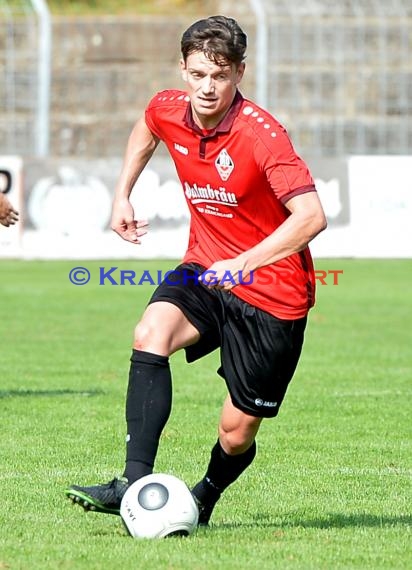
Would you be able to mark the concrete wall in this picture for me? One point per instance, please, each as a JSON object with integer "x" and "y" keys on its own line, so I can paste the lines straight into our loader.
{"x": 104, "y": 71}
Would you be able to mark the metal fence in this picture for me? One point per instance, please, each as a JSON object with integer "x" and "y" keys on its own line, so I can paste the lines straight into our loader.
{"x": 337, "y": 74}
{"x": 18, "y": 42}
{"x": 24, "y": 76}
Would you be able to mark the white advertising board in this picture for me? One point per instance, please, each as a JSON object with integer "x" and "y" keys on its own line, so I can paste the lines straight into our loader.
{"x": 68, "y": 203}
{"x": 380, "y": 210}
{"x": 67, "y": 206}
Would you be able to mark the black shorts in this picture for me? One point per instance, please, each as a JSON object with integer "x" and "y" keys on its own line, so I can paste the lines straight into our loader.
{"x": 258, "y": 352}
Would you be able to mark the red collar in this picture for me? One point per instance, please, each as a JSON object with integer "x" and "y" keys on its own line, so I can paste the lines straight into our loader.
{"x": 225, "y": 124}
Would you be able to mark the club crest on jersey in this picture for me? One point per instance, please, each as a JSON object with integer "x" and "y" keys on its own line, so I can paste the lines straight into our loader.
{"x": 224, "y": 165}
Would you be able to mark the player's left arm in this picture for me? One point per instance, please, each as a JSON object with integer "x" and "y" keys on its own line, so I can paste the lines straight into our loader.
{"x": 306, "y": 221}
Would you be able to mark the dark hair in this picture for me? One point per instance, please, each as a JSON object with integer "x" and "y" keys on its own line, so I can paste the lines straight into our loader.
{"x": 221, "y": 39}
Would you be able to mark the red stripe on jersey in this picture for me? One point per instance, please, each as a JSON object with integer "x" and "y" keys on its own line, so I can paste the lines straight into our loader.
{"x": 298, "y": 192}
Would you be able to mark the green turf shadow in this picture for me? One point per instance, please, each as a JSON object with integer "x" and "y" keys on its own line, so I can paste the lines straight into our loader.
{"x": 53, "y": 393}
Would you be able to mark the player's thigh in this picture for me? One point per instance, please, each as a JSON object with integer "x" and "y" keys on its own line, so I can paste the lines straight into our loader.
{"x": 259, "y": 355}
{"x": 163, "y": 329}
{"x": 237, "y": 429}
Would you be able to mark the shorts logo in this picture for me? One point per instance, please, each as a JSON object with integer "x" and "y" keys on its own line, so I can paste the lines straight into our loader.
{"x": 259, "y": 402}
{"x": 224, "y": 165}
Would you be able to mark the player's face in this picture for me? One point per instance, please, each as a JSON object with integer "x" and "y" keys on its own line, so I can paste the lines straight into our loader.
{"x": 211, "y": 87}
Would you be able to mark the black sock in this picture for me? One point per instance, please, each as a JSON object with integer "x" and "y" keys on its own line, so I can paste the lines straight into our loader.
{"x": 148, "y": 406}
{"x": 223, "y": 470}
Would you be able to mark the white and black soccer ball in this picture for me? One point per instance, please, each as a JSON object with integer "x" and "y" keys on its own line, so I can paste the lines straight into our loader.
{"x": 157, "y": 506}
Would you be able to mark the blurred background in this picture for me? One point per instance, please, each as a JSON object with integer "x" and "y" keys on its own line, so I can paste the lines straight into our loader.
{"x": 76, "y": 74}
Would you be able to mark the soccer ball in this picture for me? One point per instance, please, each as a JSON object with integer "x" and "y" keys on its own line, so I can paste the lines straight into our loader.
{"x": 159, "y": 505}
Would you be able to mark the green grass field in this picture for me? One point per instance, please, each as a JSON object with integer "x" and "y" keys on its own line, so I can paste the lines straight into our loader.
{"x": 330, "y": 487}
{"x": 129, "y": 7}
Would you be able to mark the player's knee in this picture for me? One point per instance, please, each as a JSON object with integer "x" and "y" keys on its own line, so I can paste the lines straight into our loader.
{"x": 237, "y": 436}
{"x": 147, "y": 337}
{"x": 143, "y": 334}
{"x": 234, "y": 441}
{"x": 151, "y": 335}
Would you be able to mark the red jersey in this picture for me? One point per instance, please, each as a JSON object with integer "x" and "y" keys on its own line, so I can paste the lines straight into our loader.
{"x": 236, "y": 179}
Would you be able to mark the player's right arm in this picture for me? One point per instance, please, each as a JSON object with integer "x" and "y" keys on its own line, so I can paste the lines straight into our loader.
{"x": 140, "y": 147}
{"x": 8, "y": 215}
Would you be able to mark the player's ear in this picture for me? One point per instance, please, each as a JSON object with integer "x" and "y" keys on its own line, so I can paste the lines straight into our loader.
{"x": 239, "y": 72}
{"x": 183, "y": 69}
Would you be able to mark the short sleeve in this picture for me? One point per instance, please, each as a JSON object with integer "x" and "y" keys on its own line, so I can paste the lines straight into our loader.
{"x": 150, "y": 118}
{"x": 287, "y": 174}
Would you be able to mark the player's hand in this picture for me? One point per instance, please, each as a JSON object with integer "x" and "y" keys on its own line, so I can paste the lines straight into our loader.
{"x": 8, "y": 215}
{"x": 225, "y": 274}
{"x": 124, "y": 223}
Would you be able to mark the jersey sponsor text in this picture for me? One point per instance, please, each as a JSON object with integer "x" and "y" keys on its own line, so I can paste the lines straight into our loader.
{"x": 207, "y": 193}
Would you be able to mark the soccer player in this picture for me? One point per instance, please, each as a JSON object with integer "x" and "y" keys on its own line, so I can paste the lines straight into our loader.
{"x": 8, "y": 215}
{"x": 246, "y": 282}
